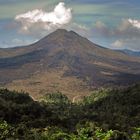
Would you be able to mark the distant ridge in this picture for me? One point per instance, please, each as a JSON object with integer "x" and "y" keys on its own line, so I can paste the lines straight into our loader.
{"x": 130, "y": 52}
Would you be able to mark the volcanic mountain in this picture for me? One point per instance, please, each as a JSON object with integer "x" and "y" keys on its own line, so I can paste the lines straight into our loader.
{"x": 66, "y": 62}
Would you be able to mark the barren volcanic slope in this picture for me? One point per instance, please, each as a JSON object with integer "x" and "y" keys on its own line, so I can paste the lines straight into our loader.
{"x": 64, "y": 61}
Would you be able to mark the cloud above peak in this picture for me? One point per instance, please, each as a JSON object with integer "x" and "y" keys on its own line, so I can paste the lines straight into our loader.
{"x": 38, "y": 18}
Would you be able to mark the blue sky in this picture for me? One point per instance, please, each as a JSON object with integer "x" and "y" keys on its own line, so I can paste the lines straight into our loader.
{"x": 110, "y": 23}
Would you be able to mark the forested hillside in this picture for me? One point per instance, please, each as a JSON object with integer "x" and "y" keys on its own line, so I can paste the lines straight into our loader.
{"x": 107, "y": 114}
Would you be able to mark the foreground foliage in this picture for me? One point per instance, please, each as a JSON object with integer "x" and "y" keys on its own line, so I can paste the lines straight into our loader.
{"x": 107, "y": 114}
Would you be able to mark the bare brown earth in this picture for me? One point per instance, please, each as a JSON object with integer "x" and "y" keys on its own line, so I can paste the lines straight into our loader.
{"x": 43, "y": 83}
{"x": 66, "y": 62}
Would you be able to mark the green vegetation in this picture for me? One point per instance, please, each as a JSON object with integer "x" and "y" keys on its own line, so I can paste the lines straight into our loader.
{"x": 107, "y": 114}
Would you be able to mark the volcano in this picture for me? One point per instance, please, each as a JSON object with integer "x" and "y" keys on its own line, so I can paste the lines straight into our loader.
{"x": 67, "y": 62}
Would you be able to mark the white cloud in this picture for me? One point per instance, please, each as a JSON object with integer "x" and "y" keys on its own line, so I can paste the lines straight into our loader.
{"x": 135, "y": 23}
{"x": 125, "y": 35}
{"x": 100, "y": 25}
{"x": 125, "y": 43}
{"x": 128, "y": 35}
{"x": 101, "y": 29}
{"x": 40, "y": 19}
{"x": 118, "y": 44}
{"x": 79, "y": 28}
{"x": 126, "y": 28}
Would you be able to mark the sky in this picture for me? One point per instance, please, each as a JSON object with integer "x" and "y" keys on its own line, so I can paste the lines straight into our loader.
{"x": 113, "y": 24}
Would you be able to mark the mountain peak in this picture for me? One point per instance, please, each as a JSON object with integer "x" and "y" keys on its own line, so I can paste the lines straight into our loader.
{"x": 61, "y": 30}
{"x": 64, "y": 32}
{"x": 60, "y": 35}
